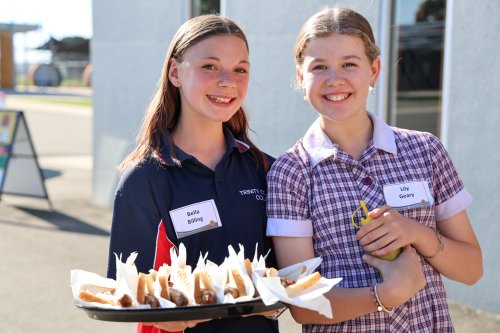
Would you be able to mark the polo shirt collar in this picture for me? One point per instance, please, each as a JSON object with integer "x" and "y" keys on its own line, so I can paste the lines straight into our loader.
{"x": 166, "y": 150}
{"x": 319, "y": 147}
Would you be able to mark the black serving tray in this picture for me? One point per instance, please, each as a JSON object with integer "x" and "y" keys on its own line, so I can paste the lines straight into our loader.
{"x": 180, "y": 313}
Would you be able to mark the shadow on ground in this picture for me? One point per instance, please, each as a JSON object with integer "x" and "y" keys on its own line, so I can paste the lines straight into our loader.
{"x": 49, "y": 173}
{"x": 63, "y": 222}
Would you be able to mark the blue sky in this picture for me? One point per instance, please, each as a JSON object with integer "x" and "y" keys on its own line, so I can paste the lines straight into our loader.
{"x": 57, "y": 18}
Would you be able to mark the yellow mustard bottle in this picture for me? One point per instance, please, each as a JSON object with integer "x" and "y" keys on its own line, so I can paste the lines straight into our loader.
{"x": 364, "y": 220}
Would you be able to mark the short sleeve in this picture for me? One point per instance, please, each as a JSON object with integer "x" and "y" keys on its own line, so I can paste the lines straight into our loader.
{"x": 450, "y": 195}
{"x": 134, "y": 222}
{"x": 287, "y": 199}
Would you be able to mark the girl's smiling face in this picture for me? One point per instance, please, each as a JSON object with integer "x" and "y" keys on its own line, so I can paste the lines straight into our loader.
{"x": 336, "y": 74}
{"x": 212, "y": 78}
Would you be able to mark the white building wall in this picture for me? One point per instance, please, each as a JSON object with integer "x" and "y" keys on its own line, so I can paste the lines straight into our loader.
{"x": 278, "y": 113}
{"x": 130, "y": 40}
{"x": 128, "y": 47}
{"x": 471, "y": 125}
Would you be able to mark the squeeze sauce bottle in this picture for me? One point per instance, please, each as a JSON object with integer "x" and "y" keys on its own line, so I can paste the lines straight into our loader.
{"x": 364, "y": 220}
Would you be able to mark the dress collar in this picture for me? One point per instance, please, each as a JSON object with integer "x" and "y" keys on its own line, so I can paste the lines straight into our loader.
{"x": 319, "y": 147}
{"x": 166, "y": 155}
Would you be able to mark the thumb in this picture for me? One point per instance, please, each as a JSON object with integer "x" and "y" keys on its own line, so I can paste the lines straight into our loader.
{"x": 377, "y": 212}
{"x": 407, "y": 250}
{"x": 373, "y": 261}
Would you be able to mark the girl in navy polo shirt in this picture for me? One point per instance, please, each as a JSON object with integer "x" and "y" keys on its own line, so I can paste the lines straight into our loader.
{"x": 195, "y": 177}
{"x": 348, "y": 155}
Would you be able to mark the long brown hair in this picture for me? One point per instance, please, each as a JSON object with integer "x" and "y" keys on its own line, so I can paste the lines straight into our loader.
{"x": 340, "y": 20}
{"x": 163, "y": 112}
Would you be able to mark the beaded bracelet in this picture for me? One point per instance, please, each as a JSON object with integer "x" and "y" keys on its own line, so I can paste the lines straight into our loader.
{"x": 276, "y": 313}
{"x": 378, "y": 302}
{"x": 441, "y": 246}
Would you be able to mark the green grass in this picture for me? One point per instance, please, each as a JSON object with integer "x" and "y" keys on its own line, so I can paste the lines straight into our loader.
{"x": 67, "y": 100}
{"x": 72, "y": 83}
{"x": 21, "y": 81}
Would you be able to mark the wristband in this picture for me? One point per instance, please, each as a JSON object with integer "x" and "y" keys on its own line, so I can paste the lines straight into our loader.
{"x": 276, "y": 313}
{"x": 441, "y": 246}
{"x": 378, "y": 302}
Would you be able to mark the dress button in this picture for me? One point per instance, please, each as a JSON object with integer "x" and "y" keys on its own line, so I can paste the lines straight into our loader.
{"x": 367, "y": 181}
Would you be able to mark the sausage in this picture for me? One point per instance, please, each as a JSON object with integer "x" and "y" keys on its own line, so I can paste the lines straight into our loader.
{"x": 178, "y": 297}
{"x": 152, "y": 301}
{"x": 126, "y": 301}
{"x": 286, "y": 282}
{"x": 208, "y": 297}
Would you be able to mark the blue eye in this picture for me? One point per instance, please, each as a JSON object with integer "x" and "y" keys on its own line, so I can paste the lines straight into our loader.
{"x": 241, "y": 70}
{"x": 319, "y": 67}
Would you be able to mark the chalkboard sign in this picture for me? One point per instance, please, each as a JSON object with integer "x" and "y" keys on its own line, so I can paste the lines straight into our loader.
{"x": 20, "y": 173}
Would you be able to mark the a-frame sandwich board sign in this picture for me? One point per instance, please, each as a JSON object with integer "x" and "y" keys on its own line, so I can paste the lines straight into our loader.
{"x": 20, "y": 173}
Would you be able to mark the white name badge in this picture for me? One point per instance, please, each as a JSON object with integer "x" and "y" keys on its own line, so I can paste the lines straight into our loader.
{"x": 408, "y": 195}
{"x": 195, "y": 218}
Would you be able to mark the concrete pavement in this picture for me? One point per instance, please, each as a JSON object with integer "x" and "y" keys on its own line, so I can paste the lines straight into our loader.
{"x": 40, "y": 246}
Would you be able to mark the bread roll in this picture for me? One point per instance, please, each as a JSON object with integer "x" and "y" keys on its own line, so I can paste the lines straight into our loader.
{"x": 149, "y": 284}
{"x": 94, "y": 289}
{"x": 240, "y": 283}
{"x": 303, "y": 284}
{"x": 197, "y": 288}
{"x": 89, "y": 297}
{"x": 164, "y": 284}
{"x": 248, "y": 267}
{"x": 141, "y": 289}
{"x": 207, "y": 280}
{"x": 271, "y": 272}
{"x": 233, "y": 291}
{"x": 153, "y": 274}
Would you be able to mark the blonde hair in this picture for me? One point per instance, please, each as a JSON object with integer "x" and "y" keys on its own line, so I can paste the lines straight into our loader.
{"x": 163, "y": 112}
{"x": 339, "y": 20}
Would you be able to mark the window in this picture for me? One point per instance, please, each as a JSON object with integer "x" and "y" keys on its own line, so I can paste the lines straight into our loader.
{"x": 417, "y": 64}
{"x": 200, "y": 7}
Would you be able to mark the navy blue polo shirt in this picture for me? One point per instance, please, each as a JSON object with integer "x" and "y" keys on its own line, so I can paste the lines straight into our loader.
{"x": 148, "y": 195}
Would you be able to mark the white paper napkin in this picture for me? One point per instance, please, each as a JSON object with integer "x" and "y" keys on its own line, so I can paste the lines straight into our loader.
{"x": 271, "y": 290}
